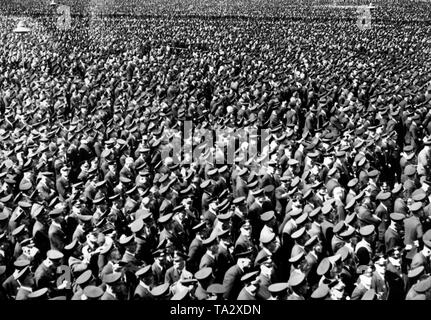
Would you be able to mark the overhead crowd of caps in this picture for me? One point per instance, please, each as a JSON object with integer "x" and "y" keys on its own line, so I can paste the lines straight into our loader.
{"x": 90, "y": 209}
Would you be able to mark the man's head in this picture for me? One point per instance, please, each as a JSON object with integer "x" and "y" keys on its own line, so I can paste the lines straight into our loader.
{"x": 246, "y": 229}
{"x": 179, "y": 259}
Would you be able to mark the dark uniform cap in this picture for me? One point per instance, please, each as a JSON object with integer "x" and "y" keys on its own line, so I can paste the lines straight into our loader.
{"x": 415, "y": 206}
{"x": 38, "y": 293}
{"x": 315, "y": 212}
{"x": 332, "y": 171}
{"x": 267, "y": 216}
{"x": 395, "y": 216}
{"x": 84, "y": 277}
{"x": 373, "y": 173}
{"x": 313, "y": 240}
{"x": 223, "y": 204}
{"x": 248, "y": 277}
{"x": 180, "y": 254}
{"x": 223, "y": 169}
{"x": 98, "y": 200}
{"x": 186, "y": 190}
{"x": 71, "y": 245}
{"x": 397, "y": 188}
{"x": 266, "y": 236}
{"x": 263, "y": 257}
{"x": 301, "y": 219}
{"x": 93, "y": 292}
{"x": 295, "y": 182}
{"x": 18, "y": 230}
{"x": 244, "y": 254}
{"x": 352, "y": 183}
{"x": 350, "y": 204}
{"x": 348, "y": 232}
{"x": 334, "y": 259}
{"x": 350, "y": 218}
{"x": 163, "y": 178}
{"x": 295, "y": 212}
{"x": 84, "y": 217}
{"x": 125, "y": 239}
{"x": 36, "y": 209}
{"x": 145, "y": 215}
{"x": 205, "y": 184}
{"x": 22, "y": 272}
{"x": 25, "y": 185}
{"x": 6, "y": 198}
{"x": 278, "y": 288}
{"x": 160, "y": 290}
{"x": 257, "y": 192}
{"x": 408, "y": 148}
{"x": 143, "y": 271}
{"x": 59, "y": 298}
{"x": 180, "y": 294}
{"x": 343, "y": 252}
{"x": 212, "y": 172}
{"x": 297, "y": 257}
{"x": 423, "y": 286}
{"x": 339, "y": 227}
{"x": 382, "y": 196}
{"x": 131, "y": 190}
{"x": 238, "y": 200}
{"x": 409, "y": 170}
{"x": 106, "y": 247}
{"x": 284, "y": 178}
{"x": 242, "y": 172}
{"x": 321, "y": 292}
{"x": 324, "y": 267}
{"x": 4, "y": 215}
{"x": 366, "y": 230}
{"x": 125, "y": 179}
{"x": 225, "y": 216}
{"x": 24, "y": 204}
{"x": 296, "y": 278}
{"x": 158, "y": 252}
{"x": 165, "y": 218}
{"x": 112, "y": 277}
{"x": 223, "y": 234}
{"x": 326, "y": 209}
{"x": 210, "y": 240}
{"x": 56, "y": 212}
{"x": 426, "y": 238}
{"x": 199, "y": 226}
{"x": 136, "y": 225}
{"x": 100, "y": 183}
{"x": 269, "y": 188}
{"x": 188, "y": 281}
{"x": 419, "y": 195}
{"x": 204, "y": 273}
{"x": 369, "y": 295}
{"x": 253, "y": 184}
{"x": 298, "y": 233}
{"x": 54, "y": 255}
{"x": 216, "y": 288}
{"x": 21, "y": 263}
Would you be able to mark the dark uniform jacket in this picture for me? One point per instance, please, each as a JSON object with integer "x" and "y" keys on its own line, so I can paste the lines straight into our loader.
{"x": 232, "y": 282}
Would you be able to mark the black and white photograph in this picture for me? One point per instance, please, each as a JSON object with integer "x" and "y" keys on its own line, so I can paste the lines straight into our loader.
{"x": 227, "y": 151}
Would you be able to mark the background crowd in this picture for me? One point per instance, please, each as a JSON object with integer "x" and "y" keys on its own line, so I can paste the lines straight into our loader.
{"x": 91, "y": 208}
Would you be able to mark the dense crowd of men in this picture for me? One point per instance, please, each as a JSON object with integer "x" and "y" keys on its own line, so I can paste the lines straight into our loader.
{"x": 335, "y": 204}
